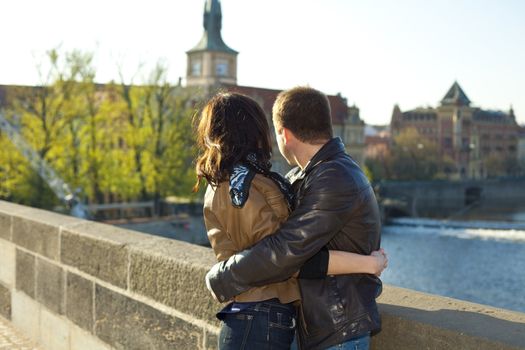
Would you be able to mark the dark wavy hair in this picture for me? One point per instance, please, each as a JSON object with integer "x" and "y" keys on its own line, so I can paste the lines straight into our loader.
{"x": 231, "y": 126}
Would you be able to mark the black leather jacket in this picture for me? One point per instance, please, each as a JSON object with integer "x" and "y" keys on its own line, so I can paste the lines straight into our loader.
{"x": 335, "y": 207}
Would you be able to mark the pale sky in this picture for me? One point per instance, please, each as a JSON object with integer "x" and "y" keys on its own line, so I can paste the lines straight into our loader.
{"x": 374, "y": 52}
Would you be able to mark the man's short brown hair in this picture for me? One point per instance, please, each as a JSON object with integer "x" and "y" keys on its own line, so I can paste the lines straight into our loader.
{"x": 305, "y": 112}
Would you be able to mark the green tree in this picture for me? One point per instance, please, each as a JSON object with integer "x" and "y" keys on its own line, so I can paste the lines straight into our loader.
{"x": 414, "y": 157}
{"x": 117, "y": 142}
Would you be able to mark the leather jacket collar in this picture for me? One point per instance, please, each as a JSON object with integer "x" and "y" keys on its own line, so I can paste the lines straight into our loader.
{"x": 329, "y": 149}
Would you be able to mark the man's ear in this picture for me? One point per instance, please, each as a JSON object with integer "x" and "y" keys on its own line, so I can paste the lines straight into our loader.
{"x": 287, "y": 135}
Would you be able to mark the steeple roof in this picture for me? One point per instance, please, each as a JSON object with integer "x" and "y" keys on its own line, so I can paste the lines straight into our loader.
{"x": 455, "y": 97}
{"x": 211, "y": 39}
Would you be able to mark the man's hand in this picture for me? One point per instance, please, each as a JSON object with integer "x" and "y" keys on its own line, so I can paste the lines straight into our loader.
{"x": 381, "y": 261}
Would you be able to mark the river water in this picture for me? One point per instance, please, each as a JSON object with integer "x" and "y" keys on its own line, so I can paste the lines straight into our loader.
{"x": 459, "y": 259}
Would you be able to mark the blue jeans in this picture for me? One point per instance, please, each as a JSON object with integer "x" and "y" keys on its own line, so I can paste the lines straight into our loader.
{"x": 361, "y": 343}
{"x": 265, "y": 325}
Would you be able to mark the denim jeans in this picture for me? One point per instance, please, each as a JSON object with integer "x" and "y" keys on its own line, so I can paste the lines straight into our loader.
{"x": 361, "y": 343}
{"x": 265, "y": 325}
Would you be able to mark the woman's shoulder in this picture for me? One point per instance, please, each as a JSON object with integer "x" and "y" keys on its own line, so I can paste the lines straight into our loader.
{"x": 263, "y": 191}
{"x": 266, "y": 186}
{"x": 216, "y": 194}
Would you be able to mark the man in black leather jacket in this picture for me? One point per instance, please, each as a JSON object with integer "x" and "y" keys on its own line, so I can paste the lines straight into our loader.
{"x": 335, "y": 208}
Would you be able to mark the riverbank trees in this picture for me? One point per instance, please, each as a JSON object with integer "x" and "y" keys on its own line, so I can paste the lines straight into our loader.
{"x": 121, "y": 141}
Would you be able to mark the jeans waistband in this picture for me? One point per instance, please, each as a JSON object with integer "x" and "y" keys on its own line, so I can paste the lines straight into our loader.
{"x": 272, "y": 303}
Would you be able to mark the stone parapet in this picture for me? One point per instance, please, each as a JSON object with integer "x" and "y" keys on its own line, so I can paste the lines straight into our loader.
{"x": 74, "y": 284}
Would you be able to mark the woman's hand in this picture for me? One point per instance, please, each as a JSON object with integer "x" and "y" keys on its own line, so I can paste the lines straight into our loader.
{"x": 380, "y": 260}
{"x": 342, "y": 263}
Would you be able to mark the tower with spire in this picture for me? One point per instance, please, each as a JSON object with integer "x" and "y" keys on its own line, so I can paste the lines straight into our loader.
{"x": 455, "y": 97}
{"x": 211, "y": 62}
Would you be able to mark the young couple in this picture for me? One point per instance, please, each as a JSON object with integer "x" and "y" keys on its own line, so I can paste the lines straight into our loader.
{"x": 305, "y": 248}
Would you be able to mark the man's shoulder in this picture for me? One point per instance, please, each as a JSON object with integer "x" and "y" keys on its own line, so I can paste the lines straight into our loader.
{"x": 342, "y": 172}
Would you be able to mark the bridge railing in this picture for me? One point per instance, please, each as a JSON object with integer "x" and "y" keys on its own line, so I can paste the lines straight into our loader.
{"x": 75, "y": 284}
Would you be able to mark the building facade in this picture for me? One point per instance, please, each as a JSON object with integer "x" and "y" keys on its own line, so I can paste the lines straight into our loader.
{"x": 521, "y": 147}
{"x": 212, "y": 66}
{"x": 468, "y": 135}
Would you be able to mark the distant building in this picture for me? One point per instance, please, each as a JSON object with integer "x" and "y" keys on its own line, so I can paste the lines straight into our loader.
{"x": 521, "y": 146}
{"x": 377, "y": 143}
{"x": 467, "y": 134}
{"x": 212, "y": 66}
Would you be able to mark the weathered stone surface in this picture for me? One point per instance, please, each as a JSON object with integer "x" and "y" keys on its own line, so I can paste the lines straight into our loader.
{"x": 37, "y": 230}
{"x": 54, "y": 331}
{"x": 212, "y": 341}
{"x": 99, "y": 250}
{"x": 82, "y": 340}
{"x": 35, "y": 236}
{"x": 5, "y": 302}
{"x": 125, "y": 323}
{"x": 25, "y": 315}
{"x": 172, "y": 273}
{"x": 5, "y": 226}
{"x": 7, "y": 209}
{"x": 50, "y": 285}
{"x": 414, "y": 320}
{"x": 79, "y": 301}
{"x": 7, "y": 263}
{"x": 25, "y": 272}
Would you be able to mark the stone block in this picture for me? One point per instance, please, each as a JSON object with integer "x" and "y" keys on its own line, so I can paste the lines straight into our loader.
{"x": 212, "y": 341}
{"x": 5, "y": 226}
{"x": 25, "y": 315}
{"x": 5, "y": 302}
{"x": 82, "y": 340}
{"x": 7, "y": 263}
{"x": 25, "y": 272}
{"x": 38, "y": 237}
{"x": 99, "y": 250}
{"x": 173, "y": 273}
{"x": 79, "y": 301}
{"x": 125, "y": 323}
{"x": 7, "y": 209}
{"x": 50, "y": 285}
{"x": 415, "y": 320}
{"x": 54, "y": 331}
{"x": 37, "y": 230}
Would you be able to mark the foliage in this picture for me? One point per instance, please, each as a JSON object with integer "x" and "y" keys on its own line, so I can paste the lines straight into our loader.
{"x": 112, "y": 142}
{"x": 502, "y": 166}
{"x": 411, "y": 157}
{"x": 414, "y": 157}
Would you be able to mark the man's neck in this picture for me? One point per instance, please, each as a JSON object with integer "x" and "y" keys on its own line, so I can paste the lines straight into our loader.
{"x": 306, "y": 151}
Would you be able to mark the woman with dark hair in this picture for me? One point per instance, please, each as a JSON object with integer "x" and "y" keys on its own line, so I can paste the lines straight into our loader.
{"x": 245, "y": 202}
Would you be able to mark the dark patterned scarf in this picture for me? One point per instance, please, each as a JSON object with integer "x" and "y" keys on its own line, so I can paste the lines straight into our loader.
{"x": 243, "y": 173}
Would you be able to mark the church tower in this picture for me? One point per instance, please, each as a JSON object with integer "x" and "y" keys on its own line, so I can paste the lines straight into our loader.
{"x": 211, "y": 62}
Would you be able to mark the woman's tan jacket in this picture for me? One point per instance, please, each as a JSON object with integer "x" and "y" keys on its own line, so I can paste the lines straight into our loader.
{"x": 231, "y": 229}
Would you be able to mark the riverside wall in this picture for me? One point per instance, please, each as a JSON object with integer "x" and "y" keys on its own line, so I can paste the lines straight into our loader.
{"x": 449, "y": 199}
{"x": 68, "y": 283}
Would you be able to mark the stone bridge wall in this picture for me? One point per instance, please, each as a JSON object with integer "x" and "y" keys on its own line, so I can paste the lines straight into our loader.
{"x": 74, "y": 284}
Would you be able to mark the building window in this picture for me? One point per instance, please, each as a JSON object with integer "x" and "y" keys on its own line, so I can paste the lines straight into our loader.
{"x": 196, "y": 68}
{"x": 221, "y": 68}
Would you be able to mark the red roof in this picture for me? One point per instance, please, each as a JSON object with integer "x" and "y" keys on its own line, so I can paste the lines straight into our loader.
{"x": 266, "y": 98}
